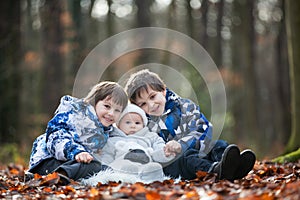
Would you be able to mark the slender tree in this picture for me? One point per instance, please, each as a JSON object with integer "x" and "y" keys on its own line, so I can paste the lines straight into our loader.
{"x": 79, "y": 40}
{"x": 143, "y": 13}
{"x": 243, "y": 64}
{"x": 143, "y": 19}
{"x": 53, "y": 66}
{"x": 218, "y": 49}
{"x": 293, "y": 31}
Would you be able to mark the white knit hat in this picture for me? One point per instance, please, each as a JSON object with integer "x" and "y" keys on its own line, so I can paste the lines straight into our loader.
{"x": 131, "y": 108}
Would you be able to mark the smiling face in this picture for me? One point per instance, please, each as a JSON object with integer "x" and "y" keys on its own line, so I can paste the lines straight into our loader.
{"x": 131, "y": 123}
{"x": 151, "y": 101}
{"x": 107, "y": 111}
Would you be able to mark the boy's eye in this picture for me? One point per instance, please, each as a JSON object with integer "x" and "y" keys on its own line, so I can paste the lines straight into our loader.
{"x": 107, "y": 106}
{"x": 152, "y": 96}
{"x": 142, "y": 104}
{"x": 138, "y": 123}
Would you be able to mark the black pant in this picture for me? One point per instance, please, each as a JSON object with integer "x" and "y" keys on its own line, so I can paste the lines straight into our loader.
{"x": 74, "y": 169}
{"x": 189, "y": 162}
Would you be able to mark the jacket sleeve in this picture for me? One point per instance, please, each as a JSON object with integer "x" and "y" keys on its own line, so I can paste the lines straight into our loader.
{"x": 62, "y": 141}
{"x": 196, "y": 130}
{"x": 158, "y": 154}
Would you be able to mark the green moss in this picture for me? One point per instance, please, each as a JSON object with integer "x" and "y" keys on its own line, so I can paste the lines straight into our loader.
{"x": 290, "y": 157}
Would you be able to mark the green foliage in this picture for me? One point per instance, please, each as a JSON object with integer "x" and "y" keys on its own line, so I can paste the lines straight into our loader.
{"x": 10, "y": 153}
{"x": 290, "y": 157}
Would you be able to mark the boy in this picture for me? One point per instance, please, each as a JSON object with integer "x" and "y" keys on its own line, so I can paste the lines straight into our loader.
{"x": 176, "y": 118}
{"x": 133, "y": 149}
{"x": 78, "y": 130}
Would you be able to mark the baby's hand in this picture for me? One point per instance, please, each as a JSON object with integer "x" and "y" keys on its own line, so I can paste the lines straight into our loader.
{"x": 172, "y": 148}
{"x": 84, "y": 157}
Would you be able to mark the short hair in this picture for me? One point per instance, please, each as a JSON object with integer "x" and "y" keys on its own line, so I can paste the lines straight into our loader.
{"x": 110, "y": 89}
{"x": 140, "y": 81}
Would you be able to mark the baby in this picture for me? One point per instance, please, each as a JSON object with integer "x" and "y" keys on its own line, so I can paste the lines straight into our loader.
{"x": 133, "y": 149}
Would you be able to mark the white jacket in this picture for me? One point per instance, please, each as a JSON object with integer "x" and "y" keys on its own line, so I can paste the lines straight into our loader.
{"x": 118, "y": 144}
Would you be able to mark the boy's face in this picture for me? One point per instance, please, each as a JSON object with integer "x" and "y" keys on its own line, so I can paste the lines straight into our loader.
{"x": 107, "y": 111}
{"x": 152, "y": 102}
{"x": 131, "y": 123}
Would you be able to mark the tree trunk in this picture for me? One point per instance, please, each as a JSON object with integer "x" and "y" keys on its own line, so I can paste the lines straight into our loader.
{"x": 284, "y": 96}
{"x": 10, "y": 81}
{"x": 245, "y": 114}
{"x": 204, "y": 10}
{"x": 143, "y": 13}
{"x": 79, "y": 40}
{"x": 143, "y": 18}
{"x": 219, "y": 43}
{"x": 293, "y": 31}
{"x": 52, "y": 86}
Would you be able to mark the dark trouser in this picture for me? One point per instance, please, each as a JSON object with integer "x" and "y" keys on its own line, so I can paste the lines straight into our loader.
{"x": 189, "y": 162}
{"x": 74, "y": 169}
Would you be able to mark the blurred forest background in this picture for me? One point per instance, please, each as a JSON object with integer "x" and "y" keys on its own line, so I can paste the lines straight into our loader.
{"x": 44, "y": 42}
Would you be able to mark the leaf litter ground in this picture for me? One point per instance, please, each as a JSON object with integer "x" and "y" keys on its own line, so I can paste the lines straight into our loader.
{"x": 266, "y": 181}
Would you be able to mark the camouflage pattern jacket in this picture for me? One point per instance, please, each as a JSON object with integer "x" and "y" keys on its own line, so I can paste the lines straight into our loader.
{"x": 74, "y": 128}
{"x": 182, "y": 121}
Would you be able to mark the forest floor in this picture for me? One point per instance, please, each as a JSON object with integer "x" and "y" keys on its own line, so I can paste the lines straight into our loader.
{"x": 266, "y": 181}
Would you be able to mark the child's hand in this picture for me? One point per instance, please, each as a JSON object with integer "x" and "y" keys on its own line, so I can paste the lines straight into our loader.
{"x": 84, "y": 157}
{"x": 172, "y": 148}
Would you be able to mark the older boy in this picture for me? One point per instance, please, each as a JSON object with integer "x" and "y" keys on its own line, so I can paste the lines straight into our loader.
{"x": 176, "y": 118}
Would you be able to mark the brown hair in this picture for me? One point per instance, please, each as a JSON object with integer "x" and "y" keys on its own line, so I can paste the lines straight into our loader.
{"x": 140, "y": 81}
{"x": 107, "y": 89}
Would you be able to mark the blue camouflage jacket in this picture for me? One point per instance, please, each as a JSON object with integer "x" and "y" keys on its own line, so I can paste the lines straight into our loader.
{"x": 74, "y": 128}
{"x": 182, "y": 121}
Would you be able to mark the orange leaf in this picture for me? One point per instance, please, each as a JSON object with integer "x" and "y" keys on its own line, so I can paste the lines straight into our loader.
{"x": 192, "y": 194}
{"x": 70, "y": 188}
{"x": 14, "y": 171}
{"x": 151, "y": 195}
{"x": 94, "y": 192}
{"x": 50, "y": 179}
{"x": 201, "y": 174}
{"x": 138, "y": 189}
{"x": 52, "y": 176}
{"x": 37, "y": 176}
{"x": 47, "y": 189}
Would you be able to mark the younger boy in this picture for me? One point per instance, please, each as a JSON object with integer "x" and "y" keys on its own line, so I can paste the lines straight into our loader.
{"x": 176, "y": 118}
{"x": 78, "y": 130}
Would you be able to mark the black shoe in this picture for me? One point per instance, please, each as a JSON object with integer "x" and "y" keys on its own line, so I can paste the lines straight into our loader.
{"x": 226, "y": 168}
{"x": 248, "y": 159}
